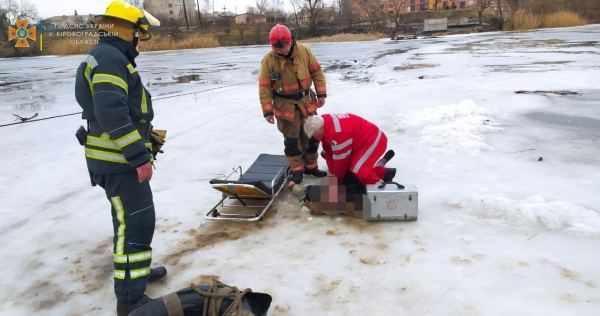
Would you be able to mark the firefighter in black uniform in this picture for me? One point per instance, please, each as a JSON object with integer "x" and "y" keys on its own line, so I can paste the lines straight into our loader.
{"x": 118, "y": 145}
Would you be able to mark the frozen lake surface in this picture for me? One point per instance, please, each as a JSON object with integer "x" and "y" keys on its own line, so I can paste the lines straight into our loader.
{"x": 509, "y": 213}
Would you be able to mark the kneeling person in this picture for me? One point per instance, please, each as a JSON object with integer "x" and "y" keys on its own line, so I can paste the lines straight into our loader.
{"x": 351, "y": 145}
{"x": 334, "y": 197}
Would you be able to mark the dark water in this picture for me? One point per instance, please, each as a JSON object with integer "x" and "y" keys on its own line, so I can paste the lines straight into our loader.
{"x": 565, "y": 120}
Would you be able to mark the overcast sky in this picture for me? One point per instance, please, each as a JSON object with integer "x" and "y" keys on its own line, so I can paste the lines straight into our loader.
{"x": 48, "y": 8}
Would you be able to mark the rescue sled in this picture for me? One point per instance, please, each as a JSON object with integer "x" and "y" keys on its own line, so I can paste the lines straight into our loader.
{"x": 262, "y": 182}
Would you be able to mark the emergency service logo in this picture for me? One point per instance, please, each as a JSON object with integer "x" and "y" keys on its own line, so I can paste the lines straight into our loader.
{"x": 21, "y": 33}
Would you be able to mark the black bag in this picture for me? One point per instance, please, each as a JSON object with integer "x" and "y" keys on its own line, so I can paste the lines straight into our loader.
{"x": 190, "y": 302}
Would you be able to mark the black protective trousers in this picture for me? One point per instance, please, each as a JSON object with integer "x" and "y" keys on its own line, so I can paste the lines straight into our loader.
{"x": 133, "y": 220}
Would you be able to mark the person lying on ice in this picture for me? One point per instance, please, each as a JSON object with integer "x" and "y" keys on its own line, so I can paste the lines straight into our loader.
{"x": 334, "y": 197}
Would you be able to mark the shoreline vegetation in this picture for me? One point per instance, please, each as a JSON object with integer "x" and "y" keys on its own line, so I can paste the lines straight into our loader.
{"x": 173, "y": 39}
{"x": 523, "y": 20}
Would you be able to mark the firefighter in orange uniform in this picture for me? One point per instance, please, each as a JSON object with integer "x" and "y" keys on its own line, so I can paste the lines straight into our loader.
{"x": 286, "y": 75}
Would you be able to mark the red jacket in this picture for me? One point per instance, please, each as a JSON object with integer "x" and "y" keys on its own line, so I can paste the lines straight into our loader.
{"x": 351, "y": 143}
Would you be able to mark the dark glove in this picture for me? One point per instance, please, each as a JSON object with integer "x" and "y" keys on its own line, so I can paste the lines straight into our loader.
{"x": 157, "y": 138}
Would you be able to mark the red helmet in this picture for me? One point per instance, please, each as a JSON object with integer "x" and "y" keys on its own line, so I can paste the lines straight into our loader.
{"x": 280, "y": 37}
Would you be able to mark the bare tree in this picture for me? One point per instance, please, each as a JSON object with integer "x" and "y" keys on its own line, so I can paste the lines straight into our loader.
{"x": 241, "y": 28}
{"x": 397, "y": 7}
{"x": 499, "y": 4}
{"x": 371, "y": 8}
{"x": 261, "y": 7}
{"x": 77, "y": 18}
{"x": 135, "y": 3}
{"x": 481, "y": 6}
{"x": 314, "y": 9}
{"x": 275, "y": 6}
{"x": 13, "y": 10}
{"x": 584, "y": 6}
{"x": 344, "y": 11}
{"x": 206, "y": 6}
{"x": 296, "y": 7}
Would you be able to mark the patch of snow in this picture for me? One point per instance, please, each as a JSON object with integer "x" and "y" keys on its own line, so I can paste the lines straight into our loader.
{"x": 452, "y": 128}
{"x": 533, "y": 211}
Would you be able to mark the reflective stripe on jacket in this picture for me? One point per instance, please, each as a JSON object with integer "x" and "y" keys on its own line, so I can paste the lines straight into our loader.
{"x": 349, "y": 141}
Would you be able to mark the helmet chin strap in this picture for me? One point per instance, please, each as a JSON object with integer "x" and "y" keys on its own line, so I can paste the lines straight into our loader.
{"x": 136, "y": 39}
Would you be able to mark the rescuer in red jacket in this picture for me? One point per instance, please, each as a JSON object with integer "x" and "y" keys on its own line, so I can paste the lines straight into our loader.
{"x": 351, "y": 144}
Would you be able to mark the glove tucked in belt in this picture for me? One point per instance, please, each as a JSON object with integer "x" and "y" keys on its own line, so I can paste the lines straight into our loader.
{"x": 157, "y": 138}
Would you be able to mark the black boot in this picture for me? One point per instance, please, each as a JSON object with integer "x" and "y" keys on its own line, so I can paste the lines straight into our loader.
{"x": 386, "y": 158}
{"x": 389, "y": 155}
{"x": 157, "y": 274}
{"x": 124, "y": 308}
{"x": 297, "y": 177}
{"x": 390, "y": 173}
{"x": 316, "y": 172}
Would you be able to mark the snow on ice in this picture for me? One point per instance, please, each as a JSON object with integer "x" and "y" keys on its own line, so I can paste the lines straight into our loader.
{"x": 450, "y": 128}
{"x": 508, "y": 183}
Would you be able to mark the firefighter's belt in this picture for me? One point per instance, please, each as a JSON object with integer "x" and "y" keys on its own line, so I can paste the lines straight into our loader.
{"x": 143, "y": 128}
{"x": 295, "y": 97}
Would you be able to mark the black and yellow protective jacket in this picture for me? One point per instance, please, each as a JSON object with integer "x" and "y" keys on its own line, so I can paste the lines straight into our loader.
{"x": 110, "y": 91}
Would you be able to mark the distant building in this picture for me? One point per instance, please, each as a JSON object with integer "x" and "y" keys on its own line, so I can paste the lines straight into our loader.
{"x": 301, "y": 17}
{"x": 389, "y": 7}
{"x": 496, "y": 8}
{"x": 250, "y": 18}
{"x": 59, "y": 21}
{"x": 172, "y": 9}
{"x": 325, "y": 14}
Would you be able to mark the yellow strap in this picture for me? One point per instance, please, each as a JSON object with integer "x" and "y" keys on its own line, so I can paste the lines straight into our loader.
{"x": 173, "y": 304}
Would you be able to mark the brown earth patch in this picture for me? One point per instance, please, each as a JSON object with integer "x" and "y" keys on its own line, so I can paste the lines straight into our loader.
{"x": 382, "y": 246}
{"x": 371, "y": 261}
{"x": 478, "y": 256}
{"x": 459, "y": 260}
{"x": 104, "y": 247}
{"x": 332, "y": 233}
{"x": 352, "y": 289}
{"x": 569, "y": 298}
{"x": 44, "y": 295}
{"x": 211, "y": 235}
{"x": 205, "y": 279}
{"x": 323, "y": 286}
{"x": 568, "y": 274}
{"x": 342, "y": 300}
{"x": 282, "y": 309}
{"x": 414, "y": 66}
{"x": 417, "y": 241}
{"x": 320, "y": 278}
